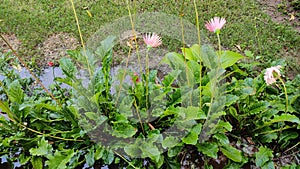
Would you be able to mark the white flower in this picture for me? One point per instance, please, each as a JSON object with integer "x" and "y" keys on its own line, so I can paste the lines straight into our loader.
{"x": 269, "y": 76}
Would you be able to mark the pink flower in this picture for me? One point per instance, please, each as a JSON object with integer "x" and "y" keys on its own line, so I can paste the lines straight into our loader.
{"x": 215, "y": 24}
{"x": 152, "y": 40}
{"x": 51, "y": 64}
{"x": 269, "y": 76}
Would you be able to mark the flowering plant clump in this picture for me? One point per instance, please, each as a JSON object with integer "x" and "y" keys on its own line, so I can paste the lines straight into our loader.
{"x": 269, "y": 74}
{"x": 152, "y": 40}
{"x": 215, "y": 24}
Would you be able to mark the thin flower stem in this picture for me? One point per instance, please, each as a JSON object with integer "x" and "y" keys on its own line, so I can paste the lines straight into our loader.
{"x": 286, "y": 103}
{"x": 125, "y": 159}
{"x": 27, "y": 68}
{"x": 219, "y": 44}
{"x": 184, "y": 54}
{"x": 81, "y": 38}
{"x": 292, "y": 147}
{"x": 286, "y": 96}
{"x": 123, "y": 76}
{"x": 139, "y": 116}
{"x": 147, "y": 78}
{"x": 135, "y": 37}
{"x": 199, "y": 42}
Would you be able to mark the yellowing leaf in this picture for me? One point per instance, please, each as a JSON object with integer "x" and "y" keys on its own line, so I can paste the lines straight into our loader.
{"x": 292, "y": 17}
{"x": 89, "y": 13}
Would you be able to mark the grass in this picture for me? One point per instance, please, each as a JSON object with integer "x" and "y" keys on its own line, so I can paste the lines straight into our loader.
{"x": 247, "y": 25}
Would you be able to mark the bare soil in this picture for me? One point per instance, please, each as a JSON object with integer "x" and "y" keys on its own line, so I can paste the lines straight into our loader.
{"x": 281, "y": 14}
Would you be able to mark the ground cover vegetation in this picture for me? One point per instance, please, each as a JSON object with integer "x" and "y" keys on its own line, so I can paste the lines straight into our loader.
{"x": 216, "y": 107}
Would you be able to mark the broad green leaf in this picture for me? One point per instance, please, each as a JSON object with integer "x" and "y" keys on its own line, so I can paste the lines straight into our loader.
{"x": 44, "y": 148}
{"x": 5, "y": 108}
{"x": 209, "y": 56}
{"x": 68, "y": 67}
{"x": 233, "y": 112}
{"x": 89, "y": 158}
{"x": 222, "y": 138}
{"x": 196, "y": 52}
{"x": 224, "y": 126}
{"x": 99, "y": 119}
{"x": 269, "y": 165}
{"x": 191, "y": 138}
{"x": 286, "y": 136}
{"x": 108, "y": 156}
{"x": 37, "y": 162}
{"x": 263, "y": 156}
{"x": 285, "y": 117}
{"x": 125, "y": 107}
{"x": 172, "y": 152}
{"x": 188, "y": 53}
{"x": 15, "y": 92}
{"x": 23, "y": 159}
{"x": 132, "y": 150}
{"x": 258, "y": 107}
{"x": 177, "y": 62}
{"x": 232, "y": 153}
{"x": 170, "y": 78}
{"x": 59, "y": 159}
{"x": 268, "y": 138}
{"x": 99, "y": 152}
{"x": 47, "y": 106}
{"x": 149, "y": 150}
{"x": 228, "y": 58}
{"x": 195, "y": 68}
{"x": 123, "y": 130}
{"x": 66, "y": 80}
{"x": 191, "y": 113}
{"x": 209, "y": 149}
{"x": 159, "y": 160}
{"x": 231, "y": 99}
{"x": 106, "y": 45}
{"x": 170, "y": 142}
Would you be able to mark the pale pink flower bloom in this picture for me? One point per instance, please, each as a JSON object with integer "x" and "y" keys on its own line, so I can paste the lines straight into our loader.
{"x": 152, "y": 40}
{"x": 215, "y": 24}
{"x": 269, "y": 76}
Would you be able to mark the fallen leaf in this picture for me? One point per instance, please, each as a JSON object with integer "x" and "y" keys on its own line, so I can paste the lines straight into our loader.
{"x": 89, "y": 13}
{"x": 292, "y": 17}
{"x": 238, "y": 47}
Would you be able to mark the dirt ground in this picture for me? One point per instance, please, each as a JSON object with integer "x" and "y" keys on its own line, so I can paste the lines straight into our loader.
{"x": 271, "y": 7}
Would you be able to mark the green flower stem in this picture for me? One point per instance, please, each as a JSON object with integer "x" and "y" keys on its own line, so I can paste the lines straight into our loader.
{"x": 147, "y": 77}
{"x": 286, "y": 96}
{"x": 286, "y": 102}
{"x": 81, "y": 38}
{"x": 219, "y": 44}
{"x": 134, "y": 33}
{"x": 123, "y": 76}
{"x": 128, "y": 162}
{"x": 199, "y": 41}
